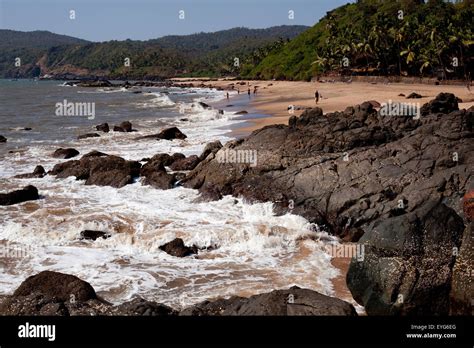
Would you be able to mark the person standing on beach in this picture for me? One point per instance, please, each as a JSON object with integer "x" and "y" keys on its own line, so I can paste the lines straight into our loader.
{"x": 227, "y": 95}
{"x": 316, "y": 96}
{"x": 249, "y": 92}
{"x": 255, "y": 90}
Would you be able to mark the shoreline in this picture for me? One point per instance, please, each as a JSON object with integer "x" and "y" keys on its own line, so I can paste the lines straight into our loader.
{"x": 274, "y": 97}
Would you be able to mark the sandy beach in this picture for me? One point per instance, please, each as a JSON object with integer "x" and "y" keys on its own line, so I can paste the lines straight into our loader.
{"x": 274, "y": 97}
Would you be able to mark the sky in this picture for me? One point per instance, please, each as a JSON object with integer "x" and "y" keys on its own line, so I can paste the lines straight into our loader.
{"x": 103, "y": 20}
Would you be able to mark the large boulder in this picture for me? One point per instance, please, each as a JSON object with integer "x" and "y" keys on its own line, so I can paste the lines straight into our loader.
{"x": 444, "y": 103}
{"x": 65, "y": 153}
{"x": 99, "y": 170}
{"x": 29, "y": 193}
{"x": 291, "y": 302}
{"x": 3, "y": 139}
{"x": 408, "y": 260}
{"x": 58, "y": 285}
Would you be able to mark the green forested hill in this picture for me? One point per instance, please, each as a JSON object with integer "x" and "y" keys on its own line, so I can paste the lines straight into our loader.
{"x": 202, "y": 54}
{"x": 379, "y": 37}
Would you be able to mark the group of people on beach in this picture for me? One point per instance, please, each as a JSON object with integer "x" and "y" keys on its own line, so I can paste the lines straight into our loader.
{"x": 317, "y": 95}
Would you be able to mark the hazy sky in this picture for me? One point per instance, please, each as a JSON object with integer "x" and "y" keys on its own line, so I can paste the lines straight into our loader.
{"x": 100, "y": 20}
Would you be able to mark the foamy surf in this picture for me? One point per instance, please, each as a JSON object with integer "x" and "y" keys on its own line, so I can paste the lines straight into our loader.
{"x": 246, "y": 249}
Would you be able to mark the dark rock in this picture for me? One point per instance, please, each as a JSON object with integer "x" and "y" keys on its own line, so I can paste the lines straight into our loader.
{"x": 104, "y": 127}
{"x": 3, "y": 139}
{"x": 243, "y": 112}
{"x": 58, "y": 285}
{"x": 38, "y": 172}
{"x": 100, "y": 170}
{"x": 95, "y": 83}
{"x": 93, "y": 235}
{"x": 65, "y": 153}
{"x": 414, "y": 96}
{"x": 407, "y": 266}
{"x": 291, "y": 302}
{"x": 444, "y": 103}
{"x": 141, "y": 307}
{"x": 155, "y": 173}
{"x": 212, "y": 147}
{"x": 460, "y": 296}
{"x": 177, "y": 248}
{"x": 125, "y": 126}
{"x": 94, "y": 153}
{"x": 88, "y": 135}
{"x": 204, "y": 105}
{"x": 167, "y": 134}
{"x": 29, "y": 193}
{"x": 188, "y": 163}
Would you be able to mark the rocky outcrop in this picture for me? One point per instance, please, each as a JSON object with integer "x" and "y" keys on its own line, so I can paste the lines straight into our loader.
{"x": 177, "y": 248}
{"x": 291, "y": 302}
{"x": 103, "y": 127}
{"x": 99, "y": 170}
{"x": 408, "y": 260}
{"x": 29, "y": 193}
{"x": 65, "y": 153}
{"x": 3, "y": 139}
{"x": 347, "y": 169}
{"x": 38, "y": 172}
{"x": 167, "y": 134}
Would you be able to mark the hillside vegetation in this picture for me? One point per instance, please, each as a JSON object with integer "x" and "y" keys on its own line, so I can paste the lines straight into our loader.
{"x": 202, "y": 54}
{"x": 379, "y": 37}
